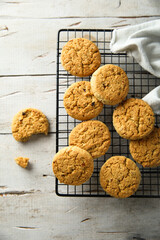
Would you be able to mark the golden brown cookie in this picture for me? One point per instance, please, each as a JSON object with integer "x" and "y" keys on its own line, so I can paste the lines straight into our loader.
{"x": 22, "y": 162}
{"x": 133, "y": 119}
{"x": 120, "y": 177}
{"x": 110, "y": 84}
{"x": 73, "y": 165}
{"x": 27, "y": 122}
{"x": 80, "y": 103}
{"x": 80, "y": 57}
{"x": 93, "y": 136}
{"x": 147, "y": 150}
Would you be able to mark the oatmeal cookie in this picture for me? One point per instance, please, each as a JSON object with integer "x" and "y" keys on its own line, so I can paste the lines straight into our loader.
{"x": 80, "y": 103}
{"x": 133, "y": 119}
{"x": 80, "y": 57}
{"x": 120, "y": 177}
{"x": 110, "y": 84}
{"x": 27, "y": 122}
{"x": 73, "y": 165}
{"x": 146, "y": 151}
{"x": 93, "y": 136}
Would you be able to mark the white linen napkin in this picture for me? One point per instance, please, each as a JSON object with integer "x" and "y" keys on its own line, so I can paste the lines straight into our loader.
{"x": 142, "y": 42}
{"x": 153, "y": 99}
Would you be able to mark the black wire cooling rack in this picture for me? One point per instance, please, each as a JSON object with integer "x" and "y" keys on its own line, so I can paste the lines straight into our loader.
{"x": 141, "y": 82}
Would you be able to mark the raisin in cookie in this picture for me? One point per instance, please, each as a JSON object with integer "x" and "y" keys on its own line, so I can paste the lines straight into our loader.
{"x": 80, "y": 103}
{"x": 73, "y": 165}
{"x": 120, "y": 177}
{"x": 147, "y": 150}
{"x": 133, "y": 119}
{"x": 93, "y": 136}
{"x": 110, "y": 84}
{"x": 80, "y": 57}
{"x": 27, "y": 122}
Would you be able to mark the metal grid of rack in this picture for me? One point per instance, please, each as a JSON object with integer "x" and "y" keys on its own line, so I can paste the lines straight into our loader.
{"x": 141, "y": 82}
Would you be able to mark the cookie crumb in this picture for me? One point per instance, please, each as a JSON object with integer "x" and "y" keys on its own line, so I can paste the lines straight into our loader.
{"x": 22, "y": 162}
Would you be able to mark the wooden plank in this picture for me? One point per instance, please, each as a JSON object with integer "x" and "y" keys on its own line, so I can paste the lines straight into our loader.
{"x": 29, "y": 46}
{"x": 38, "y": 176}
{"x": 76, "y": 8}
{"x": 45, "y": 216}
{"x": 23, "y": 92}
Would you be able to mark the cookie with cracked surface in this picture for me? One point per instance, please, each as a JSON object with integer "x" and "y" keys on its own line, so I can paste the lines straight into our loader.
{"x": 133, "y": 119}
{"x": 110, "y": 84}
{"x": 147, "y": 150}
{"x": 27, "y": 122}
{"x": 120, "y": 177}
{"x": 73, "y": 165}
{"x": 80, "y": 103}
{"x": 22, "y": 161}
{"x": 80, "y": 57}
{"x": 92, "y": 136}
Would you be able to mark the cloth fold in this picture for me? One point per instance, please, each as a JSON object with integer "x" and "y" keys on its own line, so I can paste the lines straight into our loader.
{"x": 141, "y": 41}
{"x": 153, "y": 99}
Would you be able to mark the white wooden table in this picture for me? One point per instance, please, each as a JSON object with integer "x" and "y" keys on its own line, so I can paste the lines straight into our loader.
{"x": 29, "y": 207}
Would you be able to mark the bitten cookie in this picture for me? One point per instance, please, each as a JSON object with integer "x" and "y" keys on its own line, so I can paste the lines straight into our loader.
{"x": 22, "y": 162}
{"x": 80, "y": 57}
{"x": 27, "y": 122}
{"x": 73, "y": 165}
{"x": 133, "y": 119}
{"x": 147, "y": 150}
{"x": 120, "y": 177}
{"x": 110, "y": 84}
{"x": 80, "y": 103}
{"x": 93, "y": 136}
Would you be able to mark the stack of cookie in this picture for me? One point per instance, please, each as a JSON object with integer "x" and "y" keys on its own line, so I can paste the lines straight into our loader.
{"x": 133, "y": 119}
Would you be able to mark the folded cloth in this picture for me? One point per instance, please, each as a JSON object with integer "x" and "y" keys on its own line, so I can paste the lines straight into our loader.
{"x": 142, "y": 42}
{"x": 153, "y": 99}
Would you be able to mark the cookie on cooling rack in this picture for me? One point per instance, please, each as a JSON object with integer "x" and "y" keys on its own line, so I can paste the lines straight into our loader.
{"x": 73, "y": 165}
{"x": 133, "y": 119}
{"x": 93, "y": 136}
{"x": 120, "y": 177}
{"x": 110, "y": 84}
{"x": 80, "y": 103}
{"x": 27, "y": 122}
{"x": 147, "y": 150}
{"x": 80, "y": 57}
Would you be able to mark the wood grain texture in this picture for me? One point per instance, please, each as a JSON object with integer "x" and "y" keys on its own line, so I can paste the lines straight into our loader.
{"x": 46, "y": 216}
{"x": 28, "y": 47}
{"x": 75, "y": 8}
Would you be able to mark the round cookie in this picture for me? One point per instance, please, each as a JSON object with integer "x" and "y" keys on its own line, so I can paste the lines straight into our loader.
{"x": 147, "y": 150}
{"x": 80, "y": 57}
{"x": 27, "y": 122}
{"x": 120, "y": 177}
{"x": 110, "y": 84}
{"x": 80, "y": 103}
{"x": 73, "y": 165}
{"x": 93, "y": 136}
{"x": 133, "y": 119}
